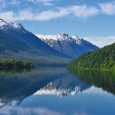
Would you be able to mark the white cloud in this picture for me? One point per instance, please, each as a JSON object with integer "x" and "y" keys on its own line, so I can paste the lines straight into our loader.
{"x": 25, "y": 15}
{"x": 44, "y": 2}
{"x": 84, "y": 11}
{"x": 14, "y": 2}
{"x": 79, "y": 11}
{"x": 10, "y": 3}
{"x": 47, "y": 15}
{"x": 101, "y": 41}
{"x": 2, "y": 4}
{"x": 7, "y": 15}
{"x": 6, "y": 3}
{"x": 11, "y": 16}
{"x": 108, "y": 8}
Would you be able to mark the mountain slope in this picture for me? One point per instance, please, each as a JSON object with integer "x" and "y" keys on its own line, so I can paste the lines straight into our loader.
{"x": 17, "y": 42}
{"x": 103, "y": 59}
{"x": 72, "y": 46}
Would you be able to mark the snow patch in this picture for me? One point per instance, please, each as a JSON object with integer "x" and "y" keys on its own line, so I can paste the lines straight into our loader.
{"x": 4, "y": 24}
{"x": 59, "y": 37}
{"x": 16, "y": 25}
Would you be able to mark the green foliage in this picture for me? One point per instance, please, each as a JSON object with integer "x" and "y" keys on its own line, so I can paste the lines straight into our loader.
{"x": 100, "y": 79}
{"x": 103, "y": 59}
{"x": 14, "y": 64}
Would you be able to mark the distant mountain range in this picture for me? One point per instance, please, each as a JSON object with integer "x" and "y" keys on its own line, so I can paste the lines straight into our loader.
{"x": 72, "y": 46}
{"x": 17, "y": 42}
{"x": 102, "y": 59}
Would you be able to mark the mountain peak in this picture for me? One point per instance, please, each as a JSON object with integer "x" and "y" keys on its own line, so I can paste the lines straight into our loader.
{"x": 75, "y": 36}
{"x": 1, "y": 20}
{"x": 17, "y": 25}
{"x": 73, "y": 46}
{"x": 77, "y": 39}
{"x": 64, "y": 34}
{"x": 3, "y": 23}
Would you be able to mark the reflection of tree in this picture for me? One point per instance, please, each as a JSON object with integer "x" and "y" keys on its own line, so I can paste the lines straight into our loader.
{"x": 103, "y": 79}
{"x": 14, "y": 71}
{"x": 17, "y": 86}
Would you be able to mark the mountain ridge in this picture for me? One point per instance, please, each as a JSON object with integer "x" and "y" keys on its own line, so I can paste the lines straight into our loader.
{"x": 72, "y": 46}
{"x": 17, "y": 42}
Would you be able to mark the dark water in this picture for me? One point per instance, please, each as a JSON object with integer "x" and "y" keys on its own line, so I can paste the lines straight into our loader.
{"x": 55, "y": 91}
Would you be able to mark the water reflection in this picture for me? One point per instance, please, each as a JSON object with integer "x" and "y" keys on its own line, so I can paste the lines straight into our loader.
{"x": 28, "y": 111}
{"x": 55, "y": 91}
{"x": 17, "y": 86}
{"x": 101, "y": 79}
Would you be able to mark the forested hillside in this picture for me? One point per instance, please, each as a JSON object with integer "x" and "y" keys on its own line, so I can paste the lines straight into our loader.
{"x": 14, "y": 64}
{"x": 103, "y": 59}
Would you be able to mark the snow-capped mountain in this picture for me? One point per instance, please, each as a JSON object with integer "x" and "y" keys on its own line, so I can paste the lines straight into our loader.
{"x": 17, "y": 42}
{"x": 4, "y": 25}
{"x": 16, "y": 25}
{"x": 70, "y": 45}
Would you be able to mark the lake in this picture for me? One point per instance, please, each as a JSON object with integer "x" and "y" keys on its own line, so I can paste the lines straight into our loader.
{"x": 56, "y": 91}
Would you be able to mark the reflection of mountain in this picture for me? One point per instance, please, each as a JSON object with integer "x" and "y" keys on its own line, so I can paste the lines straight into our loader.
{"x": 63, "y": 86}
{"x": 51, "y": 89}
{"x": 102, "y": 79}
{"x": 15, "y": 87}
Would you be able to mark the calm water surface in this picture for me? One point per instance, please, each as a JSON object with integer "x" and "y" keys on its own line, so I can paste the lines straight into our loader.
{"x": 55, "y": 91}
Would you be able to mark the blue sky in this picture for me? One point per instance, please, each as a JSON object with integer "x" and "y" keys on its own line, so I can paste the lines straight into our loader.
{"x": 87, "y": 18}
